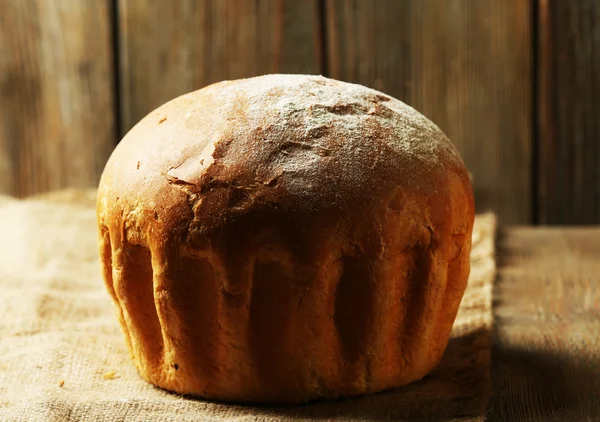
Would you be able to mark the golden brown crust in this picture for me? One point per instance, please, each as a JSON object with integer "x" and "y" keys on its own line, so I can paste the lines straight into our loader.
{"x": 285, "y": 238}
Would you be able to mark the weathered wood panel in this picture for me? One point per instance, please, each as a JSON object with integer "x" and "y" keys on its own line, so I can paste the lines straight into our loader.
{"x": 56, "y": 94}
{"x": 546, "y": 356}
{"x": 569, "y": 112}
{"x": 464, "y": 64}
{"x": 169, "y": 48}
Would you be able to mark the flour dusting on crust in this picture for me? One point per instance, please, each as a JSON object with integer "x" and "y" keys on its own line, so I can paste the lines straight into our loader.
{"x": 327, "y": 139}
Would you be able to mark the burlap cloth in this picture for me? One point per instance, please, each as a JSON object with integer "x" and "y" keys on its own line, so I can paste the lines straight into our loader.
{"x": 63, "y": 357}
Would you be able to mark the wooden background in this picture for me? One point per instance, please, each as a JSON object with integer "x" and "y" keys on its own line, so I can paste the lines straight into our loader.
{"x": 514, "y": 83}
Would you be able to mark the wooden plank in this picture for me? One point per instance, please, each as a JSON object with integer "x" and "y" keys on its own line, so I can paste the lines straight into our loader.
{"x": 201, "y": 42}
{"x": 569, "y": 105}
{"x": 464, "y": 64}
{"x": 546, "y": 356}
{"x": 57, "y": 123}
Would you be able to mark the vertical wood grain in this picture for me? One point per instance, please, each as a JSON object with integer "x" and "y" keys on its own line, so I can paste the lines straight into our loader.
{"x": 464, "y": 64}
{"x": 56, "y": 94}
{"x": 169, "y": 48}
{"x": 569, "y": 112}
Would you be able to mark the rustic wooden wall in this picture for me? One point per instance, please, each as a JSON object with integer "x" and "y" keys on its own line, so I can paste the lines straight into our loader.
{"x": 56, "y": 94}
{"x": 201, "y": 42}
{"x": 464, "y": 64}
{"x": 513, "y": 83}
{"x": 569, "y": 112}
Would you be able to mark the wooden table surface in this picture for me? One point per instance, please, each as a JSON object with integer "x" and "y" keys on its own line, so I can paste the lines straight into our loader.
{"x": 546, "y": 355}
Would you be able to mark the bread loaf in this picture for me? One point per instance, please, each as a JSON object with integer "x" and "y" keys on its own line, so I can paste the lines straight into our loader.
{"x": 285, "y": 238}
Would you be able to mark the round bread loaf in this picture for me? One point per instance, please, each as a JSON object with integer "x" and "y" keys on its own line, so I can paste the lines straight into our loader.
{"x": 285, "y": 238}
